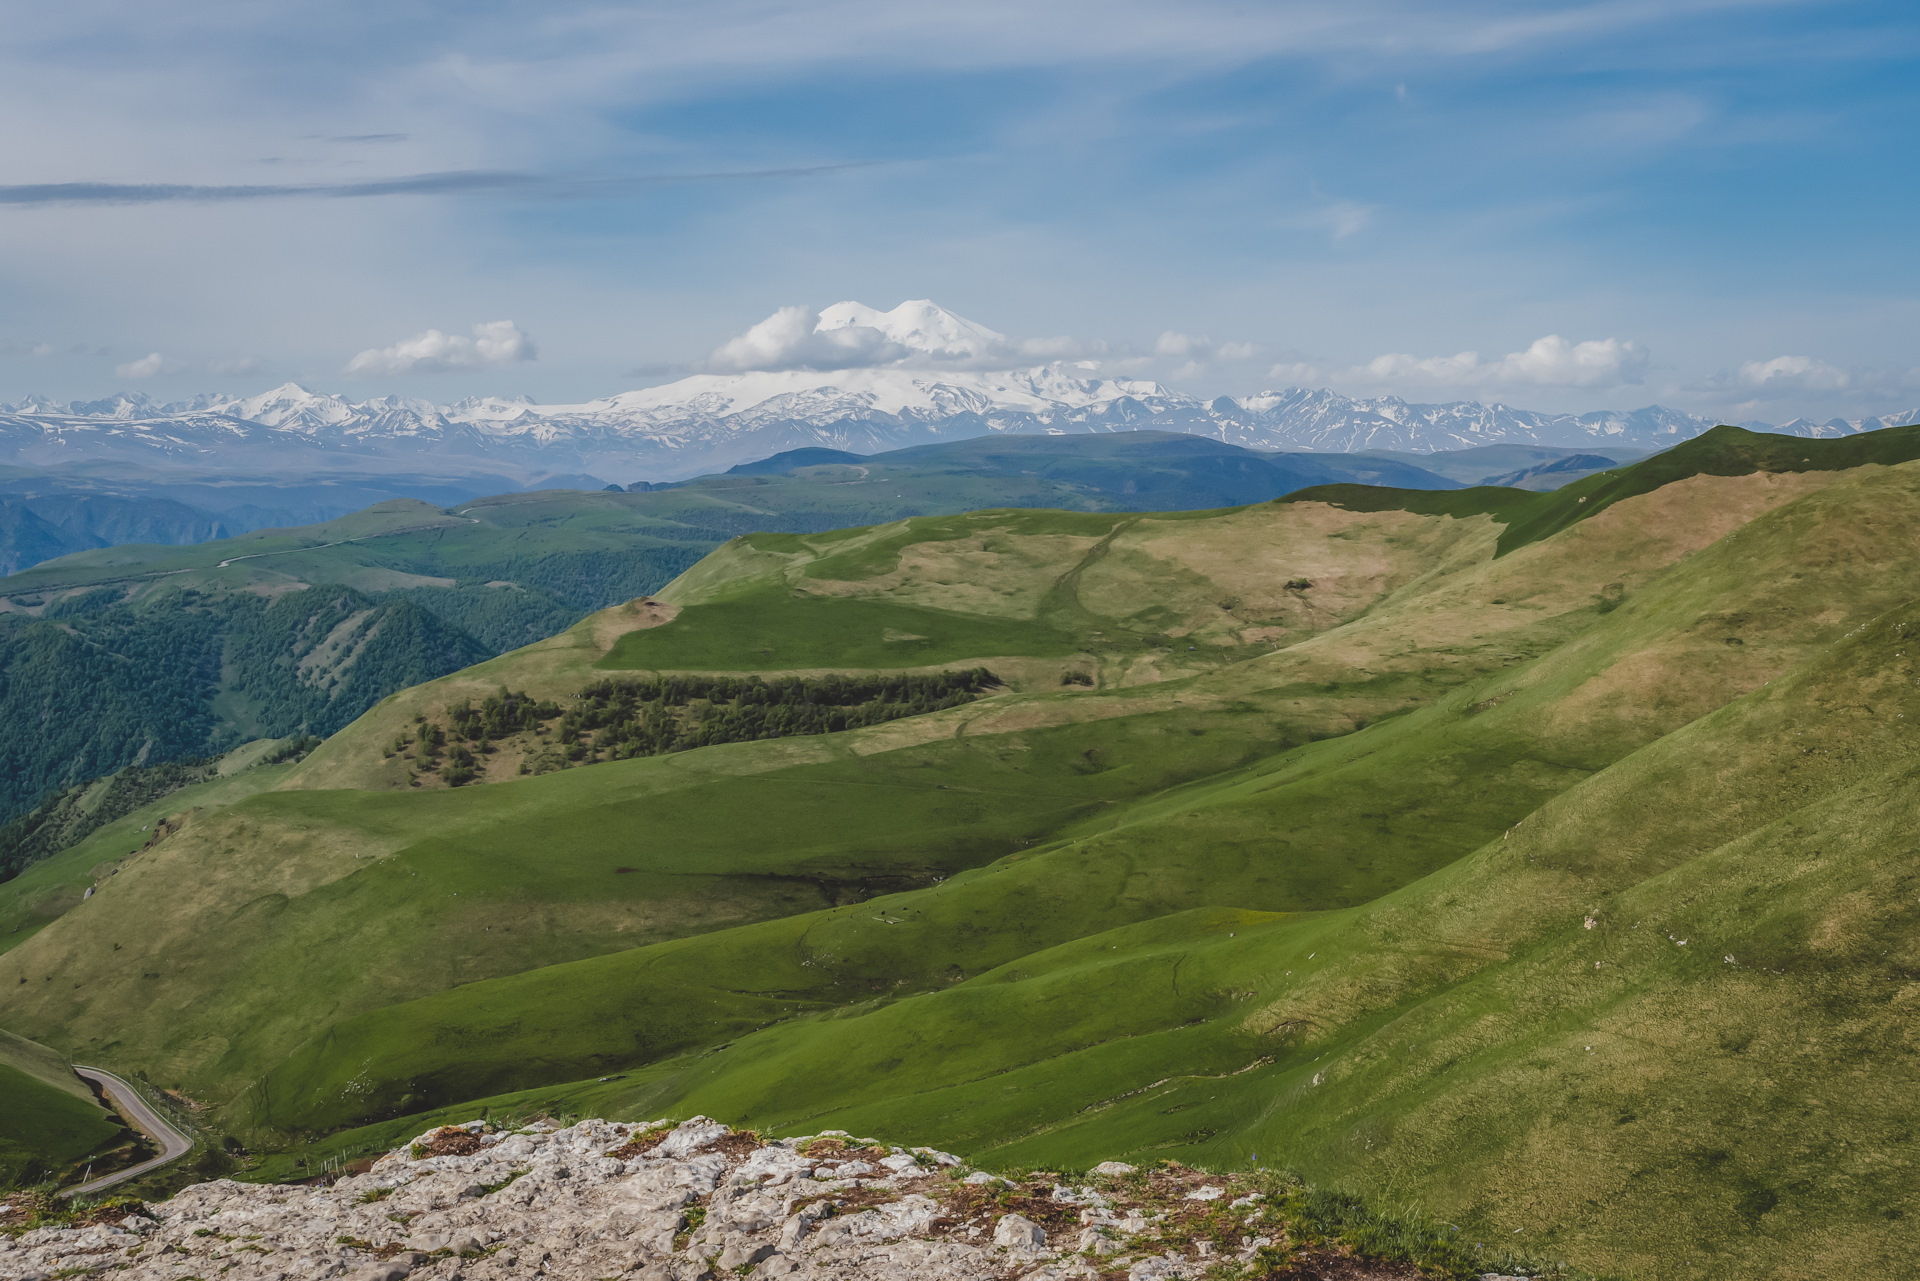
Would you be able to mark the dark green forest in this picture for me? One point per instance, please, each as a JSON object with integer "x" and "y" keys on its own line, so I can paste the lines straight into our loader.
{"x": 96, "y": 686}
{"x": 196, "y": 674}
{"x": 618, "y": 719}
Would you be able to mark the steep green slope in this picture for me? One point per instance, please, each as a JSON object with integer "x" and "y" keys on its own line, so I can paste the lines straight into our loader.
{"x": 1721, "y": 451}
{"x": 1468, "y": 1040}
{"x": 53, "y": 885}
{"x": 297, "y": 855}
{"x": 198, "y": 674}
{"x": 1326, "y": 825}
{"x": 49, "y": 1121}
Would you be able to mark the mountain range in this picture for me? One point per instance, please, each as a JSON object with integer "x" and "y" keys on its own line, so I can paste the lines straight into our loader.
{"x": 935, "y": 383}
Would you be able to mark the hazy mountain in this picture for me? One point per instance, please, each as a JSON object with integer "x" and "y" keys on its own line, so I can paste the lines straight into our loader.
{"x": 938, "y": 385}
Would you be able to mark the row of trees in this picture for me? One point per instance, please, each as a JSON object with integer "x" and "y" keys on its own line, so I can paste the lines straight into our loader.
{"x": 618, "y": 719}
{"x": 674, "y": 713}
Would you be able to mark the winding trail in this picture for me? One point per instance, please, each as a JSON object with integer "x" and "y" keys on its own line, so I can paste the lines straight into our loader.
{"x": 127, "y": 1101}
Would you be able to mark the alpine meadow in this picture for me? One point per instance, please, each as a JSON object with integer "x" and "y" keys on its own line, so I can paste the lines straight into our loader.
{"x": 1538, "y": 859}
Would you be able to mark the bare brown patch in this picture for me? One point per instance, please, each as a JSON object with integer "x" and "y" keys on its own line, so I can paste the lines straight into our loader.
{"x": 850, "y": 1201}
{"x": 609, "y": 625}
{"x": 970, "y": 1210}
{"x": 447, "y": 1141}
{"x": 738, "y": 1144}
{"x": 841, "y": 1150}
{"x": 641, "y": 1145}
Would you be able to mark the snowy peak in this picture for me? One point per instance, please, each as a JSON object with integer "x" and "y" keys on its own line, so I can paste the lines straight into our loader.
{"x": 922, "y": 326}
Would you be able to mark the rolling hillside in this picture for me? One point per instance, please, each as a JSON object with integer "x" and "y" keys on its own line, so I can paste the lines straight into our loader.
{"x": 149, "y": 655}
{"x": 1537, "y": 857}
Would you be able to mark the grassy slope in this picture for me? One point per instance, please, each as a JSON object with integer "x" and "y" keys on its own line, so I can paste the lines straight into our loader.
{"x": 1722, "y": 451}
{"x": 1213, "y": 846}
{"x": 1434, "y": 1043}
{"x": 48, "y": 1119}
{"x": 1503, "y": 682}
{"x": 48, "y": 889}
{"x": 278, "y": 886}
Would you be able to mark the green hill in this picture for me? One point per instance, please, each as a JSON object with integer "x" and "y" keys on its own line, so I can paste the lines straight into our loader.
{"x": 146, "y": 656}
{"x": 1537, "y": 860}
{"x": 50, "y": 1122}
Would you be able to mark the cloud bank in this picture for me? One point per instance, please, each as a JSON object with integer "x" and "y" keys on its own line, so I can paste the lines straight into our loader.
{"x": 494, "y": 345}
{"x": 1793, "y": 373}
{"x": 1551, "y": 361}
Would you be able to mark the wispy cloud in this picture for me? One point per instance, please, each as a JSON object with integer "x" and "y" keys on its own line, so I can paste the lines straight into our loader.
{"x": 1793, "y": 373}
{"x": 1197, "y": 353}
{"x": 494, "y": 344}
{"x": 1339, "y": 218}
{"x": 458, "y": 182}
{"x": 146, "y": 367}
{"x": 1551, "y": 361}
{"x": 1764, "y": 386}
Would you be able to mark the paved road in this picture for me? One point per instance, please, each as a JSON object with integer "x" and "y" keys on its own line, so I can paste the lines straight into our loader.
{"x": 127, "y": 1101}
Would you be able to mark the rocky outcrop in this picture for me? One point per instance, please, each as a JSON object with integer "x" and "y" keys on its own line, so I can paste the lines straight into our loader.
{"x": 666, "y": 1202}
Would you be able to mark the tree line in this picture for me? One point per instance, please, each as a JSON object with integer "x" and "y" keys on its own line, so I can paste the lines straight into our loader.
{"x": 649, "y": 716}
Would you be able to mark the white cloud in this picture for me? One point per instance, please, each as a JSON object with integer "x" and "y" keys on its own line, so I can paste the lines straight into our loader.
{"x": 1551, "y": 361}
{"x": 41, "y": 349}
{"x": 146, "y": 367}
{"x": 915, "y": 335}
{"x": 494, "y": 344}
{"x": 237, "y": 365}
{"x": 791, "y": 339}
{"x": 1793, "y": 373}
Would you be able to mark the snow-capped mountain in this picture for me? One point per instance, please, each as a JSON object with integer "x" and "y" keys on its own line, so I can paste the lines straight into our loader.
{"x": 928, "y": 385}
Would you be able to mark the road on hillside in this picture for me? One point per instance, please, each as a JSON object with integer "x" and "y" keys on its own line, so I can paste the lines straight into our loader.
{"x": 128, "y": 1103}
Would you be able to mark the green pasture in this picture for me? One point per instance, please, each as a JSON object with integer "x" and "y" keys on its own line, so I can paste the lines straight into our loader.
{"x": 1586, "y": 923}
{"x": 49, "y": 1121}
{"x": 45, "y": 1132}
{"x": 50, "y": 888}
{"x": 1729, "y": 1077}
{"x": 781, "y": 632}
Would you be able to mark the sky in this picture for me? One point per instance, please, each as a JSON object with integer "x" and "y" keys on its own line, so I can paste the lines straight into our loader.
{"x": 1707, "y": 204}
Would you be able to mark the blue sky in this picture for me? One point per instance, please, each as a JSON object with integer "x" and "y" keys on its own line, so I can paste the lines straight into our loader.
{"x": 1705, "y": 204}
